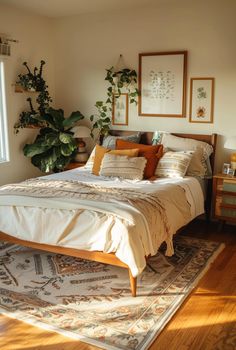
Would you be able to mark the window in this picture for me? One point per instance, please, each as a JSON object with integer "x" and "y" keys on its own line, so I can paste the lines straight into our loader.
{"x": 4, "y": 154}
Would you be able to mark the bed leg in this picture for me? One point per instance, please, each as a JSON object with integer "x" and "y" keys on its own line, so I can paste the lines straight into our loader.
{"x": 133, "y": 284}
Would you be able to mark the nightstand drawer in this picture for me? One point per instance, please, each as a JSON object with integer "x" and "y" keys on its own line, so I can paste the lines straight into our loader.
{"x": 224, "y": 197}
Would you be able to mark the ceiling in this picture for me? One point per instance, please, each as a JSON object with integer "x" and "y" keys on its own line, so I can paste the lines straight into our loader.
{"x": 61, "y": 8}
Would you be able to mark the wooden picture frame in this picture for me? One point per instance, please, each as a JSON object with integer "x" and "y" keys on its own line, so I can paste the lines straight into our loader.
{"x": 201, "y": 100}
{"x": 162, "y": 84}
{"x": 120, "y": 109}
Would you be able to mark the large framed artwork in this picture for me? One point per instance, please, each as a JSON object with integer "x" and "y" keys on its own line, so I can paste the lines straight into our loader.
{"x": 120, "y": 109}
{"x": 162, "y": 84}
{"x": 201, "y": 100}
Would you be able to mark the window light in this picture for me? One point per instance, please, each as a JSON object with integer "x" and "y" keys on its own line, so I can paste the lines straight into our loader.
{"x": 4, "y": 153}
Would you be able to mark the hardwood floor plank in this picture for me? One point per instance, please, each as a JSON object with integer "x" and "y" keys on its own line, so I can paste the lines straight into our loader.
{"x": 206, "y": 320}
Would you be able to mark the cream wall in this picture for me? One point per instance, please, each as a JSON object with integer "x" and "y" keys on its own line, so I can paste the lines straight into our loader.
{"x": 77, "y": 50}
{"x": 86, "y": 45}
{"x": 35, "y": 43}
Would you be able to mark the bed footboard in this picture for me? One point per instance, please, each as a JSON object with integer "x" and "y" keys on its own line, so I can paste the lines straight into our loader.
{"x": 105, "y": 258}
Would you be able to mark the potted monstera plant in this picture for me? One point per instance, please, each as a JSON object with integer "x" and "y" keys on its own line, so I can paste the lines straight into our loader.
{"x": 54, "y": 146}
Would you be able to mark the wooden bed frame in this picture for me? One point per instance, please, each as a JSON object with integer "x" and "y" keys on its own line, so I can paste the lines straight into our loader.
{"x": 110, "y": 258}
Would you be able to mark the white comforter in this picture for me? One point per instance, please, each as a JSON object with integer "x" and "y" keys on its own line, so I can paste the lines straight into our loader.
{"x": 57, "y": 223}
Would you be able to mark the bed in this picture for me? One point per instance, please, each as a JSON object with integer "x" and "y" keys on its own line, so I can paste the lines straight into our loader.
{"x": 122, "y": 237}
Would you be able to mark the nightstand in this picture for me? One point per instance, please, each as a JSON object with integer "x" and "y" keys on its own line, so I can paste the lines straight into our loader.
{"x": 224, "y": 197}
{"x": 74, "y": 165}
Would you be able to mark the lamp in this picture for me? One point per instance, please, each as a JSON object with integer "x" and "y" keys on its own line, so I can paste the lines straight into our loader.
{"x": 81, "y": 132}
{"x": 231, "y": 144}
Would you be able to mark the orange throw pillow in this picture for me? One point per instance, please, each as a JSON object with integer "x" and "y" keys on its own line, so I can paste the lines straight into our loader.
{"x": 101, "y": 151}
{"x": 151, "y": 153}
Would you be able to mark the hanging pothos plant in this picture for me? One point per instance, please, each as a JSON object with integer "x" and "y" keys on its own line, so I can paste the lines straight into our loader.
{"x": 125, "y": 78}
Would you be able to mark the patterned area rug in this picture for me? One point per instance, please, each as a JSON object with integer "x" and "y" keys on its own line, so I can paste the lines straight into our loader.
{"x": 91, "y": 301}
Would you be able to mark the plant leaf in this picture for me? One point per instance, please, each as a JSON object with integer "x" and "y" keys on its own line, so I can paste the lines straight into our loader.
{"x": 67, "y": 149}
{"x": 99, "y": 104}
{"x": 73, "y": 118}
{"x": 66, "y": 138}
{"x": 34, "y": 149}
{"x": 56, "y": 117}
{"x": 45, "y": 162}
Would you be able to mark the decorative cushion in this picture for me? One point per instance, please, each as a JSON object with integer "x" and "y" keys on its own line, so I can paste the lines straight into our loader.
{"x": 151, "y": 153}
{"x": 176, "y": 143}
{"x": 123, "y": 166}
{"x": 110, "y": 141}
{"x": 100, "y": 151}
{"x": 173, "y": 164}
{"x": 196, "y": 167}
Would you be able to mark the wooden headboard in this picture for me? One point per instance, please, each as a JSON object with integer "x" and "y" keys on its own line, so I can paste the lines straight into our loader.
{"x": 146, "y": 138}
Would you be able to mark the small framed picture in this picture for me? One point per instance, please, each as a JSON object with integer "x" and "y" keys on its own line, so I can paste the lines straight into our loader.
{"x": 231, "y": 172}
{"x": 201, "y": 100}
{"x": 226, "y": 167}
{"x": 120, "y": 109}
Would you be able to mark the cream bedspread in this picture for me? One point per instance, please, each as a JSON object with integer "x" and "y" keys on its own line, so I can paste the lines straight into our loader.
{"x": 123, "y": 222}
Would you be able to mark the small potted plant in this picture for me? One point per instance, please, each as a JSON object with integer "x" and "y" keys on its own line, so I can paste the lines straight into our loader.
{"x": 31, "y": 81}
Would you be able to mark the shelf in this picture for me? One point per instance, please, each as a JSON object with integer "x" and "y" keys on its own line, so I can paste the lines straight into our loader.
{"x": 20, "y": 89}
{"x": 31, "y": 126}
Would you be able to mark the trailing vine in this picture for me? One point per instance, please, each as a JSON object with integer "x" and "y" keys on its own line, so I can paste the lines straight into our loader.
{"x": 125, "y": 78}
{"x": 33, "y": 81}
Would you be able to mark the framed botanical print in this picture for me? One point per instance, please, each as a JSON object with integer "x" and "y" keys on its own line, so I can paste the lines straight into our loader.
{"x": 162, "y": 84}
{"x": 201, "y": 100}
{"x": 120, "y": 109}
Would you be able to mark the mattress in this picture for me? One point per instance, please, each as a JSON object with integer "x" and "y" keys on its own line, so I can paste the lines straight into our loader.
{"x": 79, "y": 227}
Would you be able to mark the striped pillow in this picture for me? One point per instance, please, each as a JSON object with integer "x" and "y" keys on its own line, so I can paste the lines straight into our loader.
{"x": 123, "y": 166}
{"x": 176, "y": 143}
{"x": 173, "y": 164}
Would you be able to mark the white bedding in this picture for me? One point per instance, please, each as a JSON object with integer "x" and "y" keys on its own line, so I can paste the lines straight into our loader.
{"x": 99, "y": 229}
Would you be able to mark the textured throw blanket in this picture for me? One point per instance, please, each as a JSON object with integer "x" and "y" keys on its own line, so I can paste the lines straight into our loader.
{"x": 144, "y": 202}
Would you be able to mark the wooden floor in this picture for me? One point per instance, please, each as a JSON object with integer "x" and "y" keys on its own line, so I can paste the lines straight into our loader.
{"x": 207, "y": 320}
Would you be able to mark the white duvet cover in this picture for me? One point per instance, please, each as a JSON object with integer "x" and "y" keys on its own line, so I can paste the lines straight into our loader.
{"x": 63, "y": 224}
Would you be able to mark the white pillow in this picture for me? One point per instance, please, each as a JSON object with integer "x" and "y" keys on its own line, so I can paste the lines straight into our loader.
{"x": 177, "y": 143}
{"x": 173, "y": 164}
{"x": 123, "y": 166}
